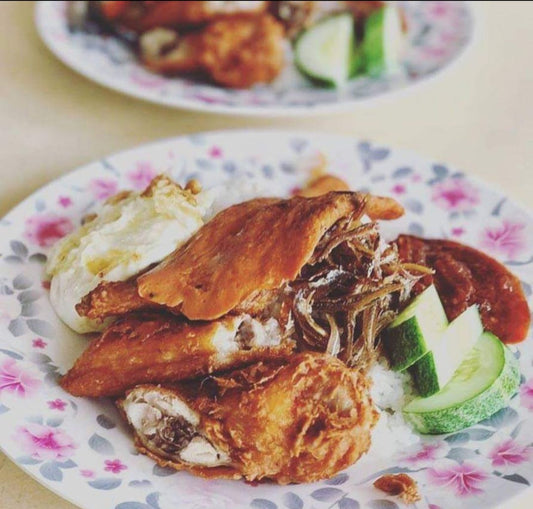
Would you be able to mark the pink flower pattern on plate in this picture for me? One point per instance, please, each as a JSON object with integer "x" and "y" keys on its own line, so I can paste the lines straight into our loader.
{"x": 439, "y": 10}
{"x": 102, "y": 189}
{"x": 46, "y": 229}
{"x": 114, "y": 466}
{"x": 146, "y": 80}
{"x": 87, "y": 473}
{"x": 141, "y": 177}
{"x": 64, "y": 201}
{"x": 455, "y": 195}
{"x": 526, "y": 395}
{"x": 509, "y": 453}
{"x": 45, "y": 442}
{"x": 458, "y": 231}
{"x": 14, "y": 380}
{"x": 57, "y": 404}
{"x": 507, "y": 238}
{"x": 398, "y": 189}
{"x": 39, "y": 343}
{"x": 425, "y": 454}
{"x": 215, "y": 152}
{"x": 464, "y": 479}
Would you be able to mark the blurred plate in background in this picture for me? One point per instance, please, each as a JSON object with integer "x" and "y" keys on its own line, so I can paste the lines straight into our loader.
{"x": 438, "y": 33}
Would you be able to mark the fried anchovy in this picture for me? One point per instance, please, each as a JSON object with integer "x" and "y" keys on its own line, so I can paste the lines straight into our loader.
{"x": 350, "y": 291}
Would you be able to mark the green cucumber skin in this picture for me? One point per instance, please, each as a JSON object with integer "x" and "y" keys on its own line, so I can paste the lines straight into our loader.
{"x": 357, "y": 65}
{"x": 320, "y": 82}
{"x": 422, "y": 372}
{"x": 356, "y": 62}
{"x": 479, "y": 407}
{"x": 411, "y": 341}
{"x": 373, "y": 44}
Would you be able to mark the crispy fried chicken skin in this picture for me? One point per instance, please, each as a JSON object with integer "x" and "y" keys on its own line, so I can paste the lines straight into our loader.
{"x": 235, "y": 51}
{"x": 260, "y": 243}
{"x": 323, "y": 184}
{"x": 142, "y": 16}
{"x": 465, "y": 276}
{"x": 242, "y": 50}
{"x": 298, "y": 421}
{"x": 198, "y": 279}
{"x": 153, "y": 347}
{"x": 165, "y": 51}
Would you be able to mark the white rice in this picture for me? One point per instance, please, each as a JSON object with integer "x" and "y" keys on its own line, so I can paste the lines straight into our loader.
{"x": 391, "y": 391}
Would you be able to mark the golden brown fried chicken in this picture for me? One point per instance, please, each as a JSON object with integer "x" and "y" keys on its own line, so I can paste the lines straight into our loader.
{"x": 246, "y": 249}
{"x": 323, "y": 184}
{"x": 152, "y": 347}
{"x": 235, "y": 51}
{"x": 142, "y": 16}
{"x": 240, "y": 51}
{"x": 165, "y": 51}
{"x": 299, "y": 421}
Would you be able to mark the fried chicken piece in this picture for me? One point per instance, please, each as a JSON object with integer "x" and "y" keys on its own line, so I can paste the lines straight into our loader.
{"x": 363, "y": 9}
{"x": 322, "y": 185}
{"x": 383, "y": 207}
{"x": 252, "y": 247}
{"x": 153, "y": 348}
{"x": 377, "y": 207}
{"x": 240, "y": 51}
{"x": 295, "y": 16}
{"x": 142, "y": 16}
{"x": 402, "y": 485}
{"x": 234, "y": 51}
{"x": 164, "y": 51}
{"x": 300, "y": 421}
{"x": 113, "y": 298}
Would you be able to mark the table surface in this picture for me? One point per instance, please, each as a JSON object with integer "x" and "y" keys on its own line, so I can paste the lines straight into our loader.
{"x": 476, "y": 116}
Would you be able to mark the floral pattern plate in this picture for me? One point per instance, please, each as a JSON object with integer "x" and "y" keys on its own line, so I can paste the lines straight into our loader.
{"x": 438, "y": 33}
{"x": 81, "y": 450}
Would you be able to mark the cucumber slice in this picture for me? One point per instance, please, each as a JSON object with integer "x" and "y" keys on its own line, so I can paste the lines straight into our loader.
{"x": 435, "y": 369}
{"x": 383, "y": 41}
{"x": 482, "y": 384}
{"x": 415, "y": 331}
{"x": 325, "y": 52}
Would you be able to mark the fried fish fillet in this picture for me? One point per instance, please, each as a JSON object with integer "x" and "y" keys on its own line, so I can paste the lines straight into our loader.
{"x": 246, "y": 250}
{"x": 300, "y": 421}
{"x": 152, "y": 347}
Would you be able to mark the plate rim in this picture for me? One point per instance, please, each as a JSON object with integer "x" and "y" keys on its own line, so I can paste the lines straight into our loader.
{"x": 179, "y": 103}
{"x": 239, "y": 131}
{"x": 235, "y": 133}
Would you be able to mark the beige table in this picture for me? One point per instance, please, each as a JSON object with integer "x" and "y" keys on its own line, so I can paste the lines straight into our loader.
{"x": 478, "y": 116}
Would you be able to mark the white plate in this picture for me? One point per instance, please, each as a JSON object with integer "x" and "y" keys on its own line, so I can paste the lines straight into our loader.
{"x": 438, "y": 33}
{"x": 80, "y": 449}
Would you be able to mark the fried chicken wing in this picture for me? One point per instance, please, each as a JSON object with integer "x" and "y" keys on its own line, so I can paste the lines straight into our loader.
{"x": 260, "y": 244}
{"x": 113, "y": 298}
{"x": 297, "y": 421}
{"x": 323, "y": 184}
{"x": 377, "y": 207}
{"x": 199, "y": 279}
{"x": 142, "y": 16}
{"x": 152, "y": 348}
{"x": 240, "y": 51}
